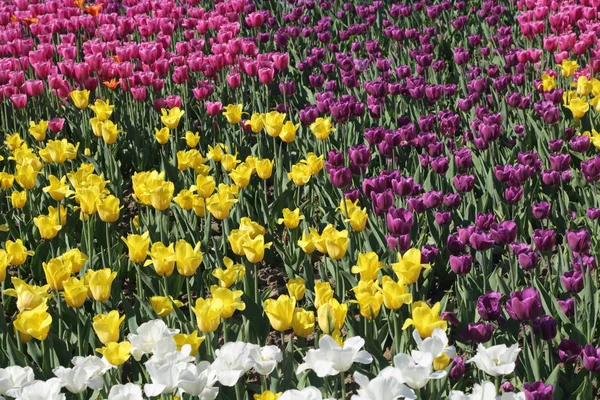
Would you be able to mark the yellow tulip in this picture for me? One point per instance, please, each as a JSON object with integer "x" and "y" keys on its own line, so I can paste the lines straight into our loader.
{"x": 38, "y": 131}
{"x": 80, "y": 98}
{"x": 395, "y": 295}
{"x": 116, "y": 353}
{"x": 369, "y": 298}
{"x": 163, "y": 305}
{"x": 358, "y": 219}
{"x": 161, "y": 196}
{"x": 323, "y": 293}
{"x": 110, "y": 132}
{"x": 137, "y": 246}
{"x": 74, "y": 292}
{"x": 274, "y": 123}
{"x": 217, "y": 153}
{"x": 75, "y": 258}
{"x": 578, "y": 107}
{"x": 368, "y": 266}
{"x": 181, "y": 339}
{"x": 102, "y": 109}
{"x": 88, "y": 199}
{"x": 162, "y": 135}
{"x": 14, "y": 141}
{"x": 296, "y": 288}
{"x": 251, "y": 227}
{"x": 192, "y": 139}
{"x": 268, "y": 395}
{"x": 99, "y": 283}
{"x": 208, "y": 314}
{"x": 205, "y": 186}
{"x": 171, "y": 119}
{"x": 109, "y": 208}
{"x": 229, "y": 162}
{"x": 241, "y": 175}
{"x": 56, "y": 272}
{"x": 6, "y": 180}
{"x": 58, "y": 189}
{"x": 264, "y": 168}
{"x": 188, "y": 258}
{"x": 17, "y": 251}
{"x": 288, "y": 132}
{"x": 53, "y": 214}
{"x": 441, "y": 362}
{"x": 254, "y": 249}
{"x": 280, "y": 312}
{"x": 28, "y": 296}
{"x": 230, "y": 300}
{"x": 548, "y": 83}
{"x": 34, "y": 323}
{"x": 568, "y": 67}
{"x": 337, "y": 244}
{"x": 300, "y": 174}
{"x": 425, "y": 319}
{"x": 107, "y": 326}
{"x": 322, "y": 128}
{"x": 233, "y": 113}
{"x": 219, "y": 205}
{"x": 185, "y": 199}
{"x": 26, "y": 176}
{"x": 256, "y": 122}
{"x": 291, "y": 219}
{"x": 331, "y": 316}
{"x": 18, "y": 199}
{"x": 303, "y": 322}
{"x": 584, "y": 86}
{"x": 408, "y": 268}
{"x": 307, "y": 243}
{"x": 5, "y": 259}
{"x": 199, "y": 206}
{"x": 162, "y": 259}
{"x": 232, "y": 273}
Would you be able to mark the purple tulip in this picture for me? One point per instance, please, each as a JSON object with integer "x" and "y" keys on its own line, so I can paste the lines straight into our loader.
{"x": 489, "y": 307}
{"x": 462, "y": 264}
{"x": 341, "y": 177}
{"x": 567, "y": 306}
{"x": 433, "y": 199}
{"x": 569, "y": 351}
{"x": 429, "y": 253}
{"x": 580, "y": 144}
{"x": 479, "y": 332}
{"x": 507, "y": 387}
{"x": 593, "y": 213}
{"x": 399, "y": 221}
{"x": 545, "y": 327}
{"x": 591, "y": 358}
{"x": 484, "y": 221}
{"x": 443, "y": 217}
{"x": 544, "y": 239}
{"x": 465, "y": 233}
{"x": 528, "y": 259}
{"x": 538, "y": 391}
{"x": 464, "y": 183}
{"x": 524, "y": 305}
{"x": 513, "y": 194}
{"x": 382, "y": 201}
{"x": 455, "y": 245}
{"x": 458, "y": 368}
{"x": 463, "y": 158}
{"x": 504, "y": 233}
{"x": 450, "y": 317}
{"x": 452, "y": 200}
{"x": 481, "y": 241}
{"x": 579, "y": 241}
{"x": 359, "y": 155}
{"x": 573, "y": 281}
{"x": 541, "y": 210}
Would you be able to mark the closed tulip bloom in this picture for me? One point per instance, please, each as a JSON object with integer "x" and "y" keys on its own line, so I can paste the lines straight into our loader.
{"x": 5, "y": 259}
{"x": 254, "y": 249}
{"x": 208, "y": 314}
{"x": 291, "y": 219}
{"x": 205, "y": 186}
{"x": 300, "y": 174}
{"x": 171, "y": 118}
{"x": 109, "y": 208}
{"x": 229, "y": 162}
{"x": 409, "y": 266}
{"x": 219, "y": 205}
{"x": 102, "y": 109}
{"x": 315, "y": 163}
{"x": 358, "y": 219}
{"x": 307, "y": 243}
{"x": 303, "y": 322}
{"x": 268, "y": 395}
{"x": 332, "y": 316}
{"x": 280, "y": 312}
{"x": 58, "y": 151}
{"x": 288, "y": 132}
{"x": 80, "y": 98}
{"x": 162, "y": 259}
{"x": 163, "y": 305}
{"x": 524, "y": 305}
{"x": 109, "y": 131}
{"x": 425, "y": 319}
{"x": 137, "y": 246}
{"x": 99, "y": 283}
{"x": 192, "y": 339}
{"x": 323, "y": 293}
{"x": 161, "y": 196}
{"x": 232, "y": 273}
{"x": 274, "y": 123}
{"x": 368, "y": 266}
{"x": 75, "y": 292}
{"x": 192, "y": 139}
{"x": 230, "y": 300}
{"x": 58, "y": 189}
{"x": 256, "y": 122}
{"x": 233, "y": 113}
{"x": 56, "y": 272}
{"x": 38, "y": 131}
{"x": 26, "y": 176}
{"x": 17, "y": 251}
{"x": 18, "y": 199}
{"x": 162, "y": 135}
{"x": 395, "y": 295}
{"x": 116, "y": 353}
{"x": 184, "y": 199}
{"x": 188, "y": 258}
{"x": 241, "y": 175}
{"x": 337, "y": 245}
{"x": 47, "y": 227}
{"x": 88, "y": 199}
{"x": 296, "y": 288}
{"x": 34, "y": 323}
{"x": 107, "y": 326}
{"x": 264, "y": 168}
{"x": 6, "y": 180}
{"x": 28, "y": 296}
{"x": 322, "y": 128}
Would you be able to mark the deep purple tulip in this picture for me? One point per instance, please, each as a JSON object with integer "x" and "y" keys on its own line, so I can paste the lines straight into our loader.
{"x": 580, "y": 144}
{"x": 450, "y": 317}
{"x": 528, "y": 259}
{"x": 429, "y": 253}
{"x": 416, "y": 204}
{"x": 545, "y": 327}
{"x": 464, "y": 183}
{"x": 433, "y": 199}
{"x": 455, "y": 245}
{"x": 352, "y": 194}
{"x": 550, "y": 178}
{"x": 382, "y": 201}
{"x": 341, "y": 177}
{"x": 544, "y": 239}
{"x": 465, "y": 233}
{"x": 489, "y": 307}
{"x": 479, "y": 332}
{"x": 569, "y": 351}
{"x": 443, "y": 217}
{"x": 507, "y": 387}
{"x": 458, "y": 368}
{"x": 579, "y": 241}
{"x": 591, "y": 358}
{"x": 513, "y": 194}
{"x": 560, "y": 162}
{"x": 463, "y": 158}
{"x": 481, "y": 241}
{"x": 484, "y": 221}
{"x": 359, "y": 155}
{"x": 524, "y": 305}
{"x": 452, "y": 200}
{"x": 538, "y": 391}
{"x": 567, "y": 306}
{"x": 541, "y": 210}
{"x": 573, "y": 281}
{"x": 504, "y": 233}
{"x": 462, "y": 264}
{"x": 593, "y": 213}
{"x": 399, "y": 221}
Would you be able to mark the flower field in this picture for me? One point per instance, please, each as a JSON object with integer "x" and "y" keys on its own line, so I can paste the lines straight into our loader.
{"x": 299, "y": 200}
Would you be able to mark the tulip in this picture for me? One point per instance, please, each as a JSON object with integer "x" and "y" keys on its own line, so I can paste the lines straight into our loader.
{"x": 208, "y": 314}
{"x": 321, "y": 128}
{"x": 300, "y": 174}
{"x": 192, "y": 139}
{"x": 579, "y": 241}
{"x": 102, "y": 109}
{"x": 107, "y": 326}
{"x": 80, "y": 98}
{"x": 369, "y": 297}
{"x": 108, "y": 209}
{"x": 291, "y": 219}
{"x": 538, "y": 391}
{"x": 569, "y": 351}
{"x": 38, "y": 131}
{"x": 280, "y": 312}
{"x": 56, "y": 272}
{"x": 58, "y": 189}
{"x": 303, "y": 322}
{"x": 254, "y": 249}
{"x": 5, "y": 259}
{"x": 395, "y": 295}
{"x": 323, "y": 293}
{"x": 230, "y": 300}
{"x": 332, "y": 316}
{"x": 34, "y": 323}
{"x": 28, "y": 296}
{"x": 288, "y": 132}
{"x": 233, "y": 113}
{"x": 489, "y": 307}
{"x": 479, "y": 332}
{"x": 137, "y": 246}
{"x": 162, "y": 135}
{"x": 192, "y": 339}
{"x": 425, "y": 319}
{"x": 171, "y": 118}
{"x": 163, "y": 305}
{"x": 26, "y": 176}
{"x": 368, "y": 266}
{"x": 264, "y": 168}
{"x": 162, "y": 258}
{"x": 47, "y": 227}
{"x": 116, "y": 353}
{"x": 545, "y": 327}
{"x": 99, "y": 283}
{"x": 17, "y": 251}
{"x": 232, "y": 273}
{"x": 74, "y": 292}
{"x": 408, "y": 267}
{"x": 188, "y": 259}
{"x": 524, "y": 305}
{"x": 573, "y": 281}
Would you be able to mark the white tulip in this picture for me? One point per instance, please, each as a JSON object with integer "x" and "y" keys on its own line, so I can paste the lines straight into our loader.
{"x": 12, "y": 379}
{"x": 435, "y": 345}
{"x": 496, "y": 360}
{"x": 331, "y": 358}
{"x": 40, "y": 390}
{"x": 266, "y": 359}
{"x": 152, "y": 336}
{"x": 416, "y": 375}
{"x": 381, "y": 388}
{"x": 198, "y": 381}
{"x": 485, "y": 391}
{"x": 128, "y": 391}
{"x": 232, "y": 361}
{"x": 308, "y": 393}
{"x": 165, "y": 371}
{"x": 86, "y": 373}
